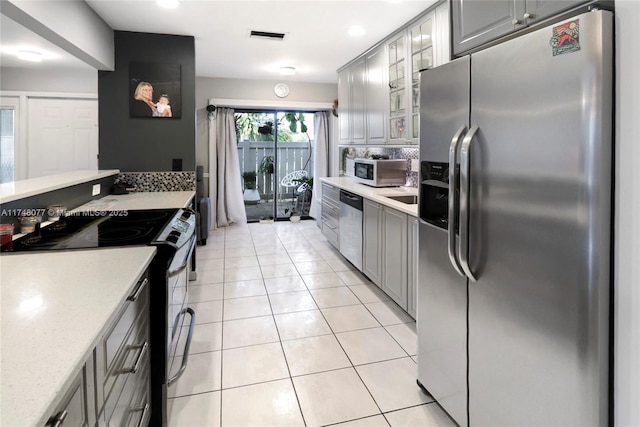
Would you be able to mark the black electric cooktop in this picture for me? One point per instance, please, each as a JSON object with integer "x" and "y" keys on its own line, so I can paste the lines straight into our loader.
{"x": 87, "y": 230}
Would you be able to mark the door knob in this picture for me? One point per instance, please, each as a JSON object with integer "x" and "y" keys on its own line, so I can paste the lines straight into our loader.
{"x": 529, "y": 15}
{"x": 515, "y": 21}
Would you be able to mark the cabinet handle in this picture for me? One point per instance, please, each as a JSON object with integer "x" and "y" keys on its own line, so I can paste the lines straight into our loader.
{"x": 138, "y": 291}
{"x": 529, "y": 15}
{"x": 57, "y": 419}
{"x": 144, "y": 410}
{"x": 516, "y": 21}
{"x": 136, "y": 364}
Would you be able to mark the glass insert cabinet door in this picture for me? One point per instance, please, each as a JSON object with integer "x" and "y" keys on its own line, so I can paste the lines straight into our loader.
{"x": 397, "y": 88}
{"x": 421, "y": 58}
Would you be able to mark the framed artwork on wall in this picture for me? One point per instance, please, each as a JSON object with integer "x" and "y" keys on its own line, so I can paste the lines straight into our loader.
{"x": 154, "y": 90}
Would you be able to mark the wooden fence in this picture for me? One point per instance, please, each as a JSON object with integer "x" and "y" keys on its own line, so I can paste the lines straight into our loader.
{"x": 290, "y": 157}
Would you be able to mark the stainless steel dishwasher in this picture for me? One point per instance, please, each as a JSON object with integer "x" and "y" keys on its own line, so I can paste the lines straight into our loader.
{"x": 351, "y": 227}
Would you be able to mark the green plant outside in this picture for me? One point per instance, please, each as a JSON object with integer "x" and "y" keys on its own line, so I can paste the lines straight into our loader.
{"x": 259, "y": 126}
{"x": 249, "y": 180}
{"x": 266, "y": 165}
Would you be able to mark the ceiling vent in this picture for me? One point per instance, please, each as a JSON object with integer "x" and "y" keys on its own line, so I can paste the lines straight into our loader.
{"x": 266, "y": 35}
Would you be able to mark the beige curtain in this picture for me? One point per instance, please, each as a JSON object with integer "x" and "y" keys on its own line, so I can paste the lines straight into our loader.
{"x": 228, "y": 187}
{"x": 320, "y": 160}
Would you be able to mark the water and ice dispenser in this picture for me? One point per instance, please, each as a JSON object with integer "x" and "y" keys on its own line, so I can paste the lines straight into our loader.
{"x": 434, "y": 193}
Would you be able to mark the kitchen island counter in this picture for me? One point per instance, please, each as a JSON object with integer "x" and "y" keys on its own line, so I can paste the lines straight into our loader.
{"x": 52, "y": 320}
{"x": 141, "y": 200}
{"x": 378, "y": 195}
{"x": 21, "y": 189}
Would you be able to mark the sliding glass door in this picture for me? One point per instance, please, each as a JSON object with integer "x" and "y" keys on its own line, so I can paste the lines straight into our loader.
{"x": 275, "y": 150}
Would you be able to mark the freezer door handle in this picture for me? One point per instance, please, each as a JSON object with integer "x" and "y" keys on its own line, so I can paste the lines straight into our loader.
{"x": 465, "y": 167}
{"x": 453, "y": 200}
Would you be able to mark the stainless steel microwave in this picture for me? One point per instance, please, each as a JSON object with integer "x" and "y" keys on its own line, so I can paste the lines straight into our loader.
{"x": 380, "y": 172}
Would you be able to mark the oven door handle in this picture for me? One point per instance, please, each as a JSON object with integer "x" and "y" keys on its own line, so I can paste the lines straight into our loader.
{"x": 185, "y": 262}
{"x": 185, "y": 354}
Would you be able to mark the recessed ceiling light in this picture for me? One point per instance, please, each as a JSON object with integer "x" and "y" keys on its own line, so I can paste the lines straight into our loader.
{"x": 287, "y": 71}
{"x": 168, "y": 4}
{"x": 30, "y": 55}
{"x": 356, "y": 31}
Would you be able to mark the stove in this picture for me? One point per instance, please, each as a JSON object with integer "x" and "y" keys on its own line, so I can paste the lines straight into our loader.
{"x": 86, "y": 230}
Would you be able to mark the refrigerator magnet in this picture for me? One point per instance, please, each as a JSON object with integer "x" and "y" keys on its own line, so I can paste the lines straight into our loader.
{"x": 566, "y": 38}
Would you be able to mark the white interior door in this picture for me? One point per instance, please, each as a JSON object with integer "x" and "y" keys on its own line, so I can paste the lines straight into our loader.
{"x": 62, "y": 135}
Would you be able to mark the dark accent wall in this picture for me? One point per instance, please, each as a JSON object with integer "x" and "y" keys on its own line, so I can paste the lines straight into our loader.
{"x": 145, "y": 144}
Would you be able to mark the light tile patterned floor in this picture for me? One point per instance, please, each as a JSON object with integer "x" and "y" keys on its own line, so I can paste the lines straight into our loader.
{"x": 289, "y": 333}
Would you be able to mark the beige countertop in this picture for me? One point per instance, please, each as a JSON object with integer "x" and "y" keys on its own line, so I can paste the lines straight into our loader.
{"x": 55, "y": 307}
{"x": 377, "y": 195}
{"x": 15, "y": 190}
{"x": 141, "y": 200}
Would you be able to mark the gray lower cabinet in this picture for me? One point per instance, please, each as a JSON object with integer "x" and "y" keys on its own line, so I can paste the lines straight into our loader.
{"x": 113, "y": 386}
{"x": 389, "y": 254}
{"x": 78, "y": 407}
{"x": 412, "y": 270}
{"x": 330, "y": 214}
{"x": 394, "y": 256}
{"x": 476, "y": 22}
{"x": 372, "y": 241}
{"x": 123, "y": 364}
{"x": 389, "y": 250}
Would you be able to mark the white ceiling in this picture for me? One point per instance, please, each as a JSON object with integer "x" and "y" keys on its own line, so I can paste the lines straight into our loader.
{"x": 316, "y": 41}
{"x": 14, "y": 37}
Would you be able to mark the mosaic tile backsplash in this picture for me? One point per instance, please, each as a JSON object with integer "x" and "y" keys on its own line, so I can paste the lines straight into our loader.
{"x": 158, "y": 181}
{"x": 393, "y": 153}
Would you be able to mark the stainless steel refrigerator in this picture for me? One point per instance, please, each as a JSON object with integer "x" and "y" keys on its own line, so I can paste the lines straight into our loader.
{"x": 515, "y": 228}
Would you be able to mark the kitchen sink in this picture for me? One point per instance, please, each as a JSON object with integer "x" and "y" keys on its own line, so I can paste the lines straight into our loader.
{"x": 409, "y": 200}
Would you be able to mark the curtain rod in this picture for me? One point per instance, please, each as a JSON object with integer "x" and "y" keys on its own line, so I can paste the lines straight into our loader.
{"x": 288, "y": 105}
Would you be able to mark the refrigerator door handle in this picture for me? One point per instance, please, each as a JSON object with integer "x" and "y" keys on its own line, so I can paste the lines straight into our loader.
{"x": 453, "y": 200}
{"x": 465, "y": 167}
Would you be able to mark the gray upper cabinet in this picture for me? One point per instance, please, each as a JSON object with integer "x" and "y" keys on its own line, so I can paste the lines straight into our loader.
{"x": 398, "y": 89}
{"x": 351, "y": 95}
{"x": 376, "y": 96}
{"x": 537, "y": 10}
{"x": 344, "y": 96}
{"x": 476, "y": 22}
{"x": 362, "y": 94}
{"x": 377, "y": 92}
{"x": 358, "y": 102}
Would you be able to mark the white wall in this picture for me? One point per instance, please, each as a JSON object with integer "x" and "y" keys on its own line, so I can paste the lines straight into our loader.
{"x": 71, "y": 25}
{"x": 627, "y": 216}
{"x": 74, "y": 80}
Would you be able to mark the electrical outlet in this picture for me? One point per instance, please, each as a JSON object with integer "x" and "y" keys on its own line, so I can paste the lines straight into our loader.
{"x": 96, "y": 190}
{"x": 415, "y": 165}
